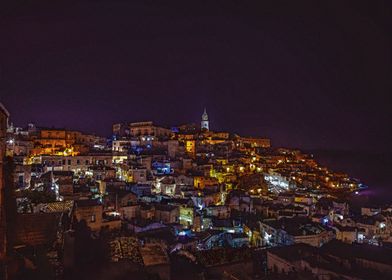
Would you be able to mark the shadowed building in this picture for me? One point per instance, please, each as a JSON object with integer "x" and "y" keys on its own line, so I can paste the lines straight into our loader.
{"x": 3, "y": 129}
{"x": 36, "y": 229}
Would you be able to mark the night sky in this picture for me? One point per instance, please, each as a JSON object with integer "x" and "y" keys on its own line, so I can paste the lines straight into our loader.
{"x": 315, "y": 75}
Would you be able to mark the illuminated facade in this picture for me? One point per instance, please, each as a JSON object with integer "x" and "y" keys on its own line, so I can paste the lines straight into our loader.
{"x": 204, "y": 121}
{"x": 148, "y": 129}
{"x": 122, "y": 145}
{"x": 252, "y": 142}
{"x": 187, "y": 215}
{"x": 277, "y": 183}
{"x": 63, "y": 142}
{"x": 201, "y": 182}
{"x": 190, "y": 147}
{"x": 72, "y": 163}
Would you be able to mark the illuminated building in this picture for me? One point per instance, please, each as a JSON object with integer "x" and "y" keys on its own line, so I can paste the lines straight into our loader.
{"x": 190, "y": 147}
{"x": 187, "y": 215}
{"x": 165, "y": 185}
{"x": 251, "y": 142}
{"x": 214, "y": 138}
{"x": 148, "y": 129}
{"x": 278, "y": 183}
{"x": 186, "y": 129}
{"x": 50, "y": 142}
{"x": 120, "y": 130}
{"x": 183, "y": 137}
{"x": 60, "y": 183}
{"x": 161, "y": 168}
{"x": 253, "y": 182}
{"x": 72, "y": 163}
{"x": 204, "y": 121}
{"x": 219, "y": 211}
{"x": 137, "y": 175}
{"x": 19, "y": 145}
{"x": 348, "y": 234}
{"x": 288, "y": 231}
{"x": 63, "y": 142}
{"x": 166, "y": 213}
{"x": 201, "y": 182}
{"x": 122, "y": 145}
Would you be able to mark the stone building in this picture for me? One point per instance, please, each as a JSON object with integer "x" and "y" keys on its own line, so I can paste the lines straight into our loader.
{"x": 4, "y": 115}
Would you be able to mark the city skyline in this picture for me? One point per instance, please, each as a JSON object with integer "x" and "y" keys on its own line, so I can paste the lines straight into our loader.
{"x": 174, "y": 140}
{"x": 215, "y": 121}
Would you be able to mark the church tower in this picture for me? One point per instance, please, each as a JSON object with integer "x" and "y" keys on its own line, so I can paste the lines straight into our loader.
{"x": 204, "y": 121}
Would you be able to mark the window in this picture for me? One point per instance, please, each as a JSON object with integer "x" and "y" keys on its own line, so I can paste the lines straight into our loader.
{"x": 78, "y": 161}
{"x": 93, "y": 218}
{"x": 69, "y": 162}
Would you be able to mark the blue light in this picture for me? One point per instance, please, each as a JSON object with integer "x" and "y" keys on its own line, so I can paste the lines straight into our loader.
{"x": 162, "y": 167}
{"x": 185, "y": 232}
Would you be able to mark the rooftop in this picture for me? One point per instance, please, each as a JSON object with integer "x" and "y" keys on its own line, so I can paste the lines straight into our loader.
{"x": 296, "y": 226}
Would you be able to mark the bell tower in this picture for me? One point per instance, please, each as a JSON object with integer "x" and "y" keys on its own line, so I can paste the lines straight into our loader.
{"x": 204, "y": 121}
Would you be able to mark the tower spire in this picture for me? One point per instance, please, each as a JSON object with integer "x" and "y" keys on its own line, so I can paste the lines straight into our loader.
{"x": 204, "y": 120}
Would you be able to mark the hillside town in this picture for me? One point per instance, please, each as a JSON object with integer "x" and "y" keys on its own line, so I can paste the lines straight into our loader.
{"x": 181, "y": 202}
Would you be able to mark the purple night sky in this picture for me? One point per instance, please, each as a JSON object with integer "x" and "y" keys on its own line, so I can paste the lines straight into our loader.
{"x": 309, "y": 76}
